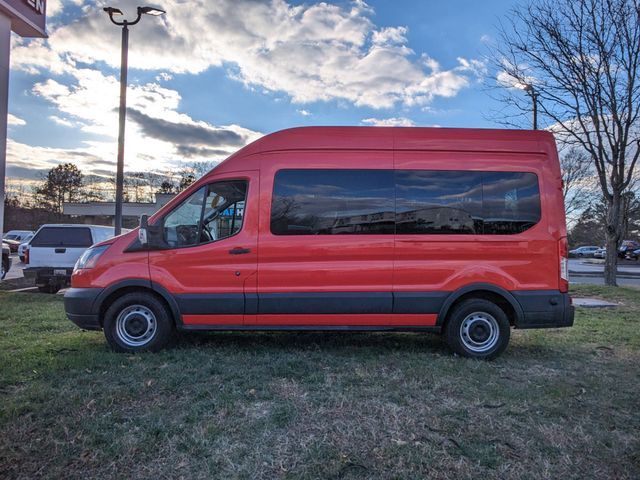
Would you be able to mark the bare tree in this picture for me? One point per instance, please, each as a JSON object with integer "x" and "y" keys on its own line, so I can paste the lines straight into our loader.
{"x": 580, "y": 58}
{"x": 577, "y": 182}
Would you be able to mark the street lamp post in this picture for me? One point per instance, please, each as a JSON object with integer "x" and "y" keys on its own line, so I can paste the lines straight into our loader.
{"x": 534, "y": 99}
{"x": 124, "y": 60}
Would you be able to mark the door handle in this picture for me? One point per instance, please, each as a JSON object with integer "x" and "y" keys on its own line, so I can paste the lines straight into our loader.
{"x": 60, "y": 250}
{"x": 239, "y": 251}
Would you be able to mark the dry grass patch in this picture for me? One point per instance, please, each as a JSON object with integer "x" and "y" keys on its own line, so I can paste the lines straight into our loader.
{"x": 559, "y": 403}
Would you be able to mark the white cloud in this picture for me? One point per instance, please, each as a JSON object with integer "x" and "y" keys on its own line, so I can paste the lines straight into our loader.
{"x": 158, "y": 136}
{"x": 390, "y": 36}
{"x": 486, "y": 39}
{"x": 312, "y": 52}
{"x": 60, "y": 121}
{"x": 164, "y": 76}
{"x": 514, "y": 76}
{"x": 389, "y": 122}
{"x": 304, "y": 113}
{"x": 55, "y": 7}
{"x": 15, "y": 121}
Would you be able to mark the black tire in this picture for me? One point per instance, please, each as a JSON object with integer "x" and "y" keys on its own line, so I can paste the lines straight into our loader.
{"x": 49, "y": 288}
{"x": 486, "y": 332}
{"x": 141, "y": 312}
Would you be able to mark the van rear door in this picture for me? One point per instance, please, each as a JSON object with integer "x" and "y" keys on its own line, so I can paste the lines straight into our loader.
{"x": 58, "y": 246}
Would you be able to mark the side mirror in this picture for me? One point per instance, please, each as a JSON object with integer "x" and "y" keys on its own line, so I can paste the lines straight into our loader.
{"x": 150, "y": 236}
{"x": 143, "y": 233}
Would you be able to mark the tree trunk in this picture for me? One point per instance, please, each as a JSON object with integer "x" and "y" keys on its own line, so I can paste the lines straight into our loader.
{"x": 614, "y": 234}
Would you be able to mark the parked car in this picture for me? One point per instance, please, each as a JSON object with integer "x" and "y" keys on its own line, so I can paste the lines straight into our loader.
{"x": 13, "y": 245}
{"x": 19, "y": 235}
{"x": 626, "y": 247}
{"x": 5, "y": 264}
{"x": 584, "y": 251}
{"x": 15, "y": 237}
{"x": 634, "y": 255}
{"x": 54, "y": 250}
{"x": 410, "y": 229}
{"x": 600, "y": 253}
{"x": 22, "y": 250}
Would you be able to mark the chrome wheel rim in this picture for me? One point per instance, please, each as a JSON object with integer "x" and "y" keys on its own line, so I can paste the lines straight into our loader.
{"x": 479, "y": 332}
{"x": 136, "y": 325}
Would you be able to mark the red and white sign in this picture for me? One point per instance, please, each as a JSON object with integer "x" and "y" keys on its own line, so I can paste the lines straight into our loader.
{"x": 28, "y": 17}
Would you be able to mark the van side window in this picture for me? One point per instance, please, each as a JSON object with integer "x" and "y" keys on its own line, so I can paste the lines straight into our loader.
{"x": 511, "y": 202}
{"x": 332, "y": 202}
{"x": 438, "y": 202}
{"x": 211, "y": 213}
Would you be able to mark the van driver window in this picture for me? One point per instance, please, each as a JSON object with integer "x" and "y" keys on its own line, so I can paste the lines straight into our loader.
{"x": 213, "y": 212}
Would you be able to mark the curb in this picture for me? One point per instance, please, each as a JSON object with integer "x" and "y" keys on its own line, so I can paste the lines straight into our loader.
{"x": 601, "y": 274}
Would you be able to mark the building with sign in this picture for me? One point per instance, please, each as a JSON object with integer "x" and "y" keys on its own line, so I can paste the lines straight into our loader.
{"x": 26, "y": 18}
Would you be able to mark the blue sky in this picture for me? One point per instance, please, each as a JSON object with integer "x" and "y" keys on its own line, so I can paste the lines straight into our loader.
{"x": 213, "y": 75}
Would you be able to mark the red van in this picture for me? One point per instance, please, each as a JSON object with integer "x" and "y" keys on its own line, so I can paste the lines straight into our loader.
{"x": 455, "y": 231}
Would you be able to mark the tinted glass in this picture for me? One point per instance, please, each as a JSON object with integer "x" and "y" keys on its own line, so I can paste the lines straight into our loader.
{"x": 333, "y": 202}
{"x": 438, "y": 202}
{"x": 70, "y": 237}
{"x": 511, "y": 202}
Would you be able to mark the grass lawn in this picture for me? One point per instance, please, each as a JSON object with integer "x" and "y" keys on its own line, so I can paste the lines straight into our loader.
{"x": 558, "y": 404}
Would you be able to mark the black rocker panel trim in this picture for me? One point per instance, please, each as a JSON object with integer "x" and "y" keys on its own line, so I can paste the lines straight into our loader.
{"x": 418, "y": 302}
{"x": 210, "y": 303}
{"x": 325, "y": 303}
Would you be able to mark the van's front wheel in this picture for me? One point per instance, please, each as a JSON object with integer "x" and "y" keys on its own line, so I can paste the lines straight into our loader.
{"x": 478, "y": 328}
{"x": 138, "y": 322}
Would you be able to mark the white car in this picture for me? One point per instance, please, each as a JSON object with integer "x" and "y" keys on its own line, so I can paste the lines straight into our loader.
{"x": 54, "y": 250}
{"x": 18, "y": 235}
{"x": 23, "y": 246}
{"x": 584, "y": 251}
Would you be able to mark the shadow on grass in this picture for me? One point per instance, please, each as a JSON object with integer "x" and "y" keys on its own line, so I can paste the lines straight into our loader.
{"x": 319, "y": 341}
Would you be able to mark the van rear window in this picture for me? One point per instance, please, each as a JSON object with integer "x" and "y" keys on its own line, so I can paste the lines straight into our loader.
{"x": 72, "y": 237}
{"x": 331, "y": 202}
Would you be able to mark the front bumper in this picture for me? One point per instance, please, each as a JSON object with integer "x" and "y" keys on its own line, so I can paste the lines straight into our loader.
{"x": 545, "y": 309}
{"x": 81, "y": 307}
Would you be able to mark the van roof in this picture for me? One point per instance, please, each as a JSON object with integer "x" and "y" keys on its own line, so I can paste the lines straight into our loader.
{"x": 402, "y": 138}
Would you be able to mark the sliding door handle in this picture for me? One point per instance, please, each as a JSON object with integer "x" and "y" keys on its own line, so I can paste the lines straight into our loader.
{"x": 239, "y": 251}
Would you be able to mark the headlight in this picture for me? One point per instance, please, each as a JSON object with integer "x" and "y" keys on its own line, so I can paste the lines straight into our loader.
{"x": 90, "y": 257}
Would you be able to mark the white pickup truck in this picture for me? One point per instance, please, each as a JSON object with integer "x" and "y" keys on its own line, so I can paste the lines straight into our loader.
{"x": 54, "y": 250}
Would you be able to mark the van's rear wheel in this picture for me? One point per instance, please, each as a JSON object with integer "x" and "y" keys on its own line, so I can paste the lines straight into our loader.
{"x": 138, "y": 322}
{"x": 478, "y": 328}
